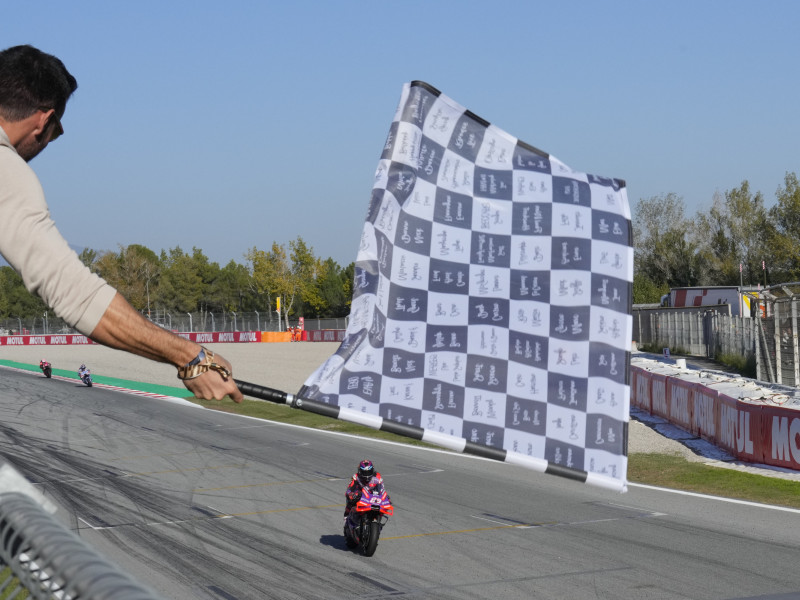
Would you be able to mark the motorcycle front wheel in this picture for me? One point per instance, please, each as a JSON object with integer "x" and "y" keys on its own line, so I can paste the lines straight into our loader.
{"x": 47, "y": 372}
{"x": 371, "y": 532}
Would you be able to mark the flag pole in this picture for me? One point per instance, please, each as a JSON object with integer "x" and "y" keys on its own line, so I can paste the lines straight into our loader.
{"x": 450, "y": 442}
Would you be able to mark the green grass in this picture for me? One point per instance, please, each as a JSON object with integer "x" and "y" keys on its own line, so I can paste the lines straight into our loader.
{"x": 12, "y": 585}
{"x": 663, "y": 470}
{"x": 285, "y": 414}
{"x": 744, "y": 366}
{"x": 658, "y": 348}
{"x": 676, "y": 472}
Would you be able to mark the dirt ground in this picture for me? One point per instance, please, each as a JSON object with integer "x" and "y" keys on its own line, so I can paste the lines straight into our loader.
{"x": 283, "y": 366}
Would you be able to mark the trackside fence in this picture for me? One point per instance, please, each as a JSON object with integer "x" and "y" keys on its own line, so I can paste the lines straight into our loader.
{"x": 769, "y": 337}
{"x": 41, "y": 557}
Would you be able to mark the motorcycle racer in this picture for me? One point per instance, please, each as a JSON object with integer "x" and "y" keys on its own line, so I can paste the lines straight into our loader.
{"x": 365, "y": 476}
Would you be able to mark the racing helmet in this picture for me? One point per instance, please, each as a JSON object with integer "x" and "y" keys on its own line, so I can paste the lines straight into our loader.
{"x": 366, "y": 470}
{"x": 82, "y": 367}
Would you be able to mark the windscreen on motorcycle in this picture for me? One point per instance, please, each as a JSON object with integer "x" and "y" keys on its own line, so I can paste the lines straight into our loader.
{"x": 374, "y": 488}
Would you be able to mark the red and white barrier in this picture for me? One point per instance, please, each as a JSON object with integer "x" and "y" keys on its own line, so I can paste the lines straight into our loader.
{"x": 44, "y": 340}
{"x": 223, "y": 337}
{"x": 326, "y": 335}
{"x": 749, "y": 429}
{"x": 214, "y": 337}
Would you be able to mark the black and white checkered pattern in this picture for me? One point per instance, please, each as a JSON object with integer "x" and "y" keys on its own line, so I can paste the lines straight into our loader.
{"x": 492, "y": 298}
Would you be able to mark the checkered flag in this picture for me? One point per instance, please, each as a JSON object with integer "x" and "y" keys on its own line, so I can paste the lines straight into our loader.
{"x": 491, "y": 309}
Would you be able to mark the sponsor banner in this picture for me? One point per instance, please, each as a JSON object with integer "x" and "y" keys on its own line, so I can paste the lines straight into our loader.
{"x": 215, "y": 337}
{"x": 680, "y": 395}
{"x": 705, "y": 418}
{"x": 45, "y": 340}
{"x": 326, "y": 335}
{"x": 659, "y": 400}
{"x": 780, "y": 443}
{"x": 222, "y": 337}
{"x": 640, "y": 388}
{"x": 737, "y": 424}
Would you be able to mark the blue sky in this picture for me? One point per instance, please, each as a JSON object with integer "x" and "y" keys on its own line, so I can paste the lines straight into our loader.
{"x": 229, "y": 125}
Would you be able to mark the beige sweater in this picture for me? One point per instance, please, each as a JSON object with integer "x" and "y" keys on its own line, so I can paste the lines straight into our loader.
{"x": 32, "y": 245}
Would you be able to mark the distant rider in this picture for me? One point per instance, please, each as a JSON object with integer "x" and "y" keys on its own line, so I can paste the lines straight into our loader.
{"x": 366, "y": 476}
{"x": 43, "y": 363}
{"x": 82, "y": 370}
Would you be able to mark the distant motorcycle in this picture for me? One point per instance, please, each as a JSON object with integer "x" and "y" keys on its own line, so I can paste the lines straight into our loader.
{"x": 86, "y": 377}
{"x": 363, "y": 525}
{"x": 46, "y": 368}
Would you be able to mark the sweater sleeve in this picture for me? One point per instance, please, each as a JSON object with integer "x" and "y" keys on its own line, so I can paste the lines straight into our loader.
{"x": 33, "y": 246}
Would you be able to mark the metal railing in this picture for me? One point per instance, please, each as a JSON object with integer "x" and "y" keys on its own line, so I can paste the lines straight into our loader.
{"x": 41, "y": 557}
{"x": 769, "y": 337}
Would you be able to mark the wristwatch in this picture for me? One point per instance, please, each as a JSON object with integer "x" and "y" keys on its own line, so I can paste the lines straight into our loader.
{"x": 201, "y": 356}
{"x": 200, "y": 364}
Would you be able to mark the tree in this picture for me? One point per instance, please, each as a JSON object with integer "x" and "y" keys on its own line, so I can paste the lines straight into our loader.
{"x": 783, "y": 239}
{"x": 133, "y": 271}
{"x": 645, "y": 291}
{"x": 231, "y": 289}
{"x": 266, "y": 269}
{"x": 665, "y": 250}
{"x": 181, "y": 286}
{"x": 736, "y": 230}
{"x": 291, "y": 278}
{"x": 348, "y": 276}
{"x": 305, "y": 269}
{"x": 331, "y": 285}
{"x": 87, "y": 256}
{"x": 15, "y": 300}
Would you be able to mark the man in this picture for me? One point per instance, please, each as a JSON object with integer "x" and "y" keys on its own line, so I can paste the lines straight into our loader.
{"x": 365, "y": 476}
{"x": 34, "y": 89}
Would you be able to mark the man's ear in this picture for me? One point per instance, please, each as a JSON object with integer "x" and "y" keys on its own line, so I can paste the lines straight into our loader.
{"x": 39, "y": 120}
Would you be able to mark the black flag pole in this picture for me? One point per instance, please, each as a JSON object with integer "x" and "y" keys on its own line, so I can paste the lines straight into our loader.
{"x": 418, "y": 433}
{"x": 272, "y": 395}
{"x": 327, "y": 410}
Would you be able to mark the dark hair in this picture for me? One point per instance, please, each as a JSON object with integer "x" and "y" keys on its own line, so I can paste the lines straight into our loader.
{"x": 32, "y": 80}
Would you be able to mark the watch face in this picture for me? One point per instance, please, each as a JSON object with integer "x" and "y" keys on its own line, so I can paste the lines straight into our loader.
{"x": 199, "y": 358}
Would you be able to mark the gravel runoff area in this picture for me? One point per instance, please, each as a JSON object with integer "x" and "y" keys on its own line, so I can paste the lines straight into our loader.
{"x": 285, "y": 366}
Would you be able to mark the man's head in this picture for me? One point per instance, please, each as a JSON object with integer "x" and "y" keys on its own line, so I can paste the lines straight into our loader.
{"x": 34, "y": 89}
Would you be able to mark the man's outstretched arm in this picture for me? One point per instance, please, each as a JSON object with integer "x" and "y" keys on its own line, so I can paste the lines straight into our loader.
{"x": 123, "y": 328}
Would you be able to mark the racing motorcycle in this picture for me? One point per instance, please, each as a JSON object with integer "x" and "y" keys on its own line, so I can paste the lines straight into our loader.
{"x": 46, "y": 368}
{"x": 363, "y": 525}
{"x": 86, "y": 377}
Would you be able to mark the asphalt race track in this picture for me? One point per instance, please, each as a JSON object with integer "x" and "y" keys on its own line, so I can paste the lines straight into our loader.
{"x": 200, "y": 504}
